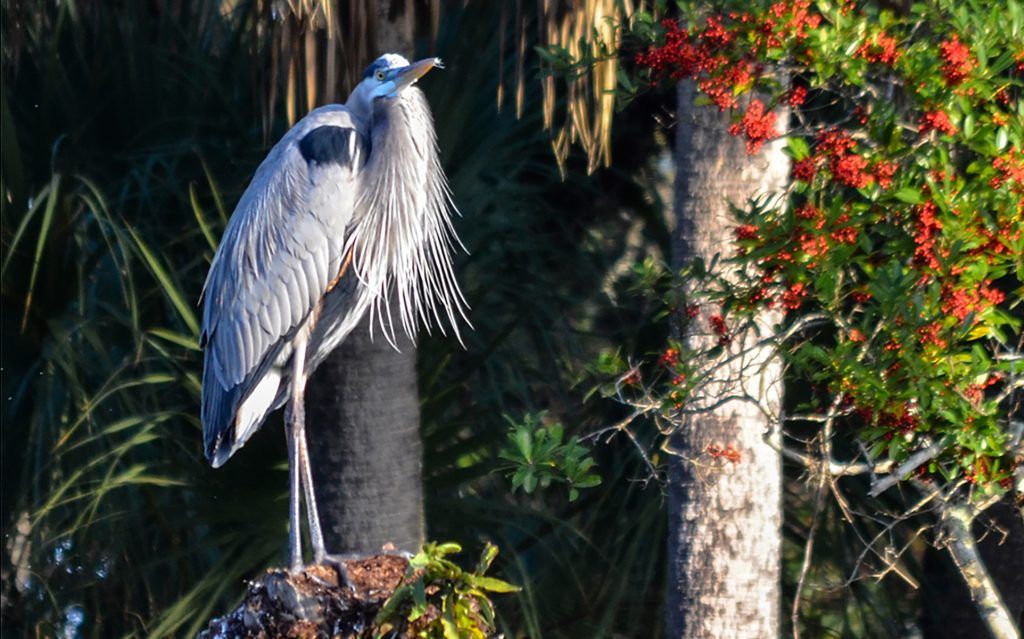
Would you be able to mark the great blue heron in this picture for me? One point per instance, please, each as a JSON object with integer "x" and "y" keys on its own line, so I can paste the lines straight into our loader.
{"x": 349, "y": 211}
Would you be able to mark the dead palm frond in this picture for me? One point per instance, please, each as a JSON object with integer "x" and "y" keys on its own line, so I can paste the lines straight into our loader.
{"x": 579, "y": 41}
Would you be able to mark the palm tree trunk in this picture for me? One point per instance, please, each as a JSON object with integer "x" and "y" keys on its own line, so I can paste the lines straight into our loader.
{"x": 363, "y": 428}
{"x": 724, "y": 523}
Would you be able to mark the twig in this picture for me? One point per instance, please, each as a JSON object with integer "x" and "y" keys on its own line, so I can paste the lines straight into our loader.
{"x": 869, "y": 545}
{"x": 835, "y": 468}
{"x": 819, "y": 500}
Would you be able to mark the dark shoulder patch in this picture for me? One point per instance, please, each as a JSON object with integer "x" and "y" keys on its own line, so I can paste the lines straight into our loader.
{"x": 326, "y": 144}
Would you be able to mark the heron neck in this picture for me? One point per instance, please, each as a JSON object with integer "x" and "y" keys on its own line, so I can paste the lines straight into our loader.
{"x": 403, "y": 236}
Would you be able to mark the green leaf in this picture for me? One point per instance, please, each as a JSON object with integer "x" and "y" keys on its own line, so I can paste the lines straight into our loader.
{"x": 529, "y": 481}
{"x": 486, "y": 558}
{"x": 908, "y": 194}
{"x": 588, "y": 481}
{"x": 798, "y": 148}
{"x": 524, "y": 442}
{"x": 491, "y": 584}
{"x": 451, "y": 631}
{"x": 419, "y": 601}
{"x": 1002, "y": 137}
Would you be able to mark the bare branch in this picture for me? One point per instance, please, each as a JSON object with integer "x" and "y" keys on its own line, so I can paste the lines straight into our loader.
{"x": 956, "y": 522}
{"x": 913, "y": 462}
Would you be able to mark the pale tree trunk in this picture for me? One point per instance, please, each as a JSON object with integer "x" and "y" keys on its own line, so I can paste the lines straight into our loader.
{"x": 724, "y": 519}
{"x": 363, "y": 411}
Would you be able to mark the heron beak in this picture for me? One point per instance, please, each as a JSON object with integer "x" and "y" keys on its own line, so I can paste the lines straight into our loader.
{"x": 407, "y": 76}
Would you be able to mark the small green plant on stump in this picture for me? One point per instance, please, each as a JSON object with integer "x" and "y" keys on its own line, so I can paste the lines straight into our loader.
{"x": 438, "y": 599}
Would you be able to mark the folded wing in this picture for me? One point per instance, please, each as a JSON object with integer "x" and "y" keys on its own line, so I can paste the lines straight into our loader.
{"x": 279, "y": 254}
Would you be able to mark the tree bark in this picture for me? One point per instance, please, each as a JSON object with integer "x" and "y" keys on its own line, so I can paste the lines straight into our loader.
{"x": 363, "y": 407}
{"x": 724, "y": 523}
{"x": 365, "y": 445}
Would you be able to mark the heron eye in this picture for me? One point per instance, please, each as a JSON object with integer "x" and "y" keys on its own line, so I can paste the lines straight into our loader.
{"x": 379, "y": 75}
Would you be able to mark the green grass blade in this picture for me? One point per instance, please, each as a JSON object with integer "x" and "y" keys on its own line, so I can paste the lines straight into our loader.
{"x": 44, "y": 231}
{"x": 217, "y": 200}
{"x": 204, "y": 225}
{"x": 170, "y": 289}
{"x": 175, "y": 338}
{"x": 39, "y": 199}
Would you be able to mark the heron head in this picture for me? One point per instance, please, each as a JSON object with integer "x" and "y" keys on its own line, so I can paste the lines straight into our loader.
{"x": 391, "y": 74}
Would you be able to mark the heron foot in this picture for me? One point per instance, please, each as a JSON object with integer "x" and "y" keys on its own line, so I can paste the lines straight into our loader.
{"x": 339, "y": 563}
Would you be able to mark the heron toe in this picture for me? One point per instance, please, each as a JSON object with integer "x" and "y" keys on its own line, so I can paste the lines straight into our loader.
{"x": 338, "y": 562}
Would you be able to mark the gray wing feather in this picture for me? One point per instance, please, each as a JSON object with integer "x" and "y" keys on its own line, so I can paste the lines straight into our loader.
{"x": 281, "y": 249}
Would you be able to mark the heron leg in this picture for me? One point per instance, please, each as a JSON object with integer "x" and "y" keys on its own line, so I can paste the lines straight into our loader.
{"x": 299, "y": 413}
{"x": 295, "y": 495}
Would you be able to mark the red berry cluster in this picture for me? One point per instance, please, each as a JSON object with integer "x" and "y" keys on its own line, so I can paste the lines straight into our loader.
{"x": 962, "y": 301}
{"x": 805, "y": 170}
{"x": 978, "y": 471}
{"x": 976, "y": 392}
{"x": 719, "y": 328}
{"x": 997, "y": 243}
{"x": 794, "y": 296}
{"x": 762, "y": 295}
{"x": 811, "y": 213}
{"x": 931, "y": 334}
{"x": 632, "y": 378}
{"x": 928, "y": 227}
{"x": 881, "y": 49}
{"x": 746, "y": 232}
{"x": 850, "y": 169}
{"x": 729, "y": 453}
{"x": 835, "y": 148}
{"x": 700, "y": 57}
{"x": 898, "y": 419}
{"x": 834, "y": 142}
{"x": 1011, "y": 170}
{"x": 757, "y": 126}
{"x": 935, "y": 121}
{"x": 784, "y": 21}
{"x": 884, "y": 171}
{"x": 797, "y": 96}
{"x": 861, "y": 297}
{"x": 844, "y": 233}
{"x": 669, "y": 358}
{"x": 957, "y": 61}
